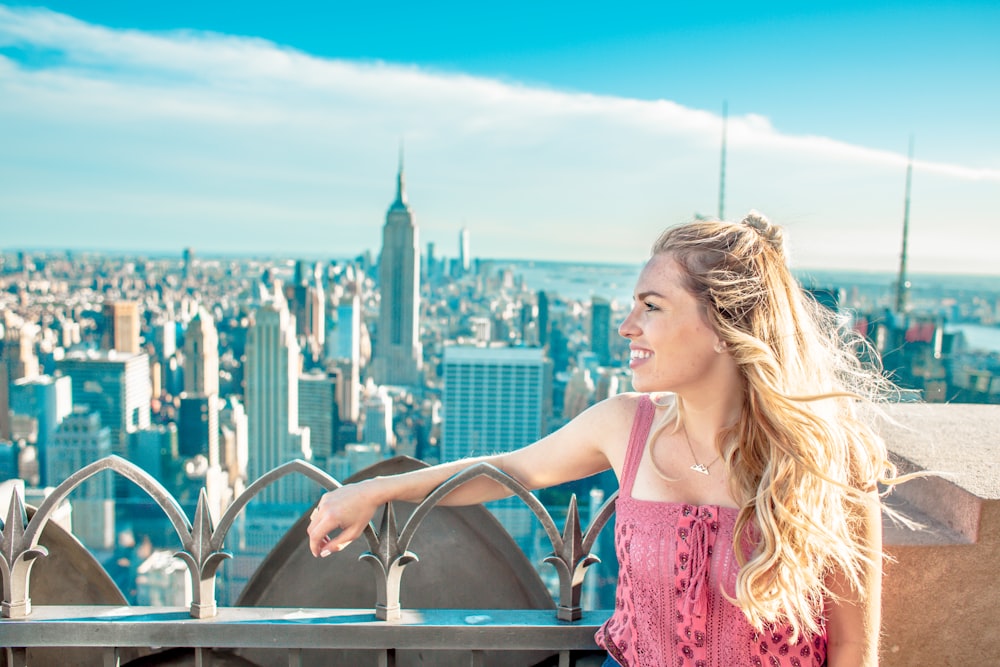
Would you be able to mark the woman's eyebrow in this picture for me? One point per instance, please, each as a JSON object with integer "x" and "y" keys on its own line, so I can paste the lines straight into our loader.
{"x": 642, "y": 296}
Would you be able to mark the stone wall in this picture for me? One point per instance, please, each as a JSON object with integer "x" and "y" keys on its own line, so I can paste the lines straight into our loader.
{"x": 941, "y": 594}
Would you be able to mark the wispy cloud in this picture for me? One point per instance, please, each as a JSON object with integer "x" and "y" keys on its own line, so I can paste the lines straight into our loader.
{"x": 185, "y": 138}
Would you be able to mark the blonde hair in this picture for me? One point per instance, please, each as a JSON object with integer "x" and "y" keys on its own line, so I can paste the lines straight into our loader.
{"x": 803, "y": 458}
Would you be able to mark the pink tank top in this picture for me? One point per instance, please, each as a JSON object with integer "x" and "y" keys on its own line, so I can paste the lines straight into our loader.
{"x": 674, "y": 562}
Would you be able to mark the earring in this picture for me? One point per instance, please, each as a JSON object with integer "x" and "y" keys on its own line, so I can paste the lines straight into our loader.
{"x": 720, "y": 346}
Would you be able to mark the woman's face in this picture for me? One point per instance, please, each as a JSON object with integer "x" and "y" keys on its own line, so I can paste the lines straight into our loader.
{"x": 672, "y": 346}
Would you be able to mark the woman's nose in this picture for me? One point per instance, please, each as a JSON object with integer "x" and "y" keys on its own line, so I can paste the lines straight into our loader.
{"x": 627, "y": 328}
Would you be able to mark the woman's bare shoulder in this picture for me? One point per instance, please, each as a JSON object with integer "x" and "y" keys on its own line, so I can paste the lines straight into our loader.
{"x": 614, "y": 412}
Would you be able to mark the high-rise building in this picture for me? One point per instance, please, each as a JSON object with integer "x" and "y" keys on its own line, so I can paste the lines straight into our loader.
{"x": 4, "y": 397}
{"x": 121, "y": 327}
{"x": 543, "y": 319}
{"x": 164, "y": 338}
{"x": 19, "y": 350}
{"x": 10, "y": 471}
{"x": 398, "y": 356}
{"x": 348, "y": 357}
{"x": 346, "y": 343}
{"x": 189, "y": 261}
{"x": 579, "y": 393}
{"x": 201, "y": 355}
{"x": 429, "y": 264}
{"x": 198, "y": 427}
{"x": 495, "y": 400}
{"x": 600, "y": 329}
{"x": 464, "y": 259}
{"x": 377, "y": 410}
{"x": 48, "y": 401}
{"x": 114, "y": 384}
{"x": 234, "y": 441}
{"x": 17, "y": 360}
{"x": 318, "y": 410}
{"x": 153, "y": 449}
{"x": 80, "y": 440}
{"x": 272, "y": 399}
{"x": 307, "y": 302}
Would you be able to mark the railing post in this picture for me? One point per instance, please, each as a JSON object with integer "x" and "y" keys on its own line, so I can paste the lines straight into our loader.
{"x": 16, "y": 657}
{"x": 111, "y": 656}
{"x": 571, "y": 560}
{"x": 387, "y": 658}
{"x": 17, "y": 555}
{"x": 388, "y": 560}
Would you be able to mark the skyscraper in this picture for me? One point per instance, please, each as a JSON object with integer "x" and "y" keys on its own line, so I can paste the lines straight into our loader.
{"x": 121, "y": 327}
{"x": 48, "y": 400}
{"x": 188, "y": 261}
{"x": 4, "y": 395}
{"x": 307, "y": 302}
{"x": 579, "y": 393}
{"x": 464, "y": 259}
{"x": 17, "y": 360}
{"x": 82, "y": 439}
{"x": 600, "y": 329}
{"x": 398, "y": 355}
{"x": 272, "y": 398}
{"x": 201, "y": 355}
{"x": 115, "y": 385}
{"x": 198, "y": 427}
{"x": 543, "y": 319}
{"x": 19, "y": 350}
{"x": 377, "y": 408}
{"x": 164, "y": 338}
{"x": 494, "y": 399}
{"x": 347, "y": 355}
{"x": 318, "y": 411}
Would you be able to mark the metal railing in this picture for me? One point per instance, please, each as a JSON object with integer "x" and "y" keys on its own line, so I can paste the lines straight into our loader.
{"x": 204, "y": 626}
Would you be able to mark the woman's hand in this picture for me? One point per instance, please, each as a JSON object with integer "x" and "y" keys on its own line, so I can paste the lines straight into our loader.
{"x": 341, "y": 517}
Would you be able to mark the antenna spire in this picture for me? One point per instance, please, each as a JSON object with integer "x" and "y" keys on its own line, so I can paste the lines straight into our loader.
{"x": 903, "y": 284}
{"x": 400, "y": 181}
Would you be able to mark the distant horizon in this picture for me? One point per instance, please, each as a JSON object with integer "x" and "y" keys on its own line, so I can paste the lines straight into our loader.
{"x": 210, "y": 255}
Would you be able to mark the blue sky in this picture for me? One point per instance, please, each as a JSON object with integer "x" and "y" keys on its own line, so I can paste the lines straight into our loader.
{"x": 551, "y": 130}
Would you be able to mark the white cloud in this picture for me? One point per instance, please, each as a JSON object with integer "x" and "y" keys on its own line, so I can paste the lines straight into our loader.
{"x": 194, "y": 132}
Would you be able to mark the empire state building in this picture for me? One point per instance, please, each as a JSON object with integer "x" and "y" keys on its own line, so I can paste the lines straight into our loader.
{"x": 398, "y": 355}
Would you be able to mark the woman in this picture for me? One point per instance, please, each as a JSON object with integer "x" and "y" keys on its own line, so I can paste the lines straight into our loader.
{"x": 748, "y": 530}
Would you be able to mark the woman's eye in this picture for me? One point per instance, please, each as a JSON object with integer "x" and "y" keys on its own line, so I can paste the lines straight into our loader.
{"x": 649, "y": 306}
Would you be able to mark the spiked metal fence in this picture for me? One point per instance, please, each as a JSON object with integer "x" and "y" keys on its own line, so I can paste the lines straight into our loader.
{"x": 385, "y": 629}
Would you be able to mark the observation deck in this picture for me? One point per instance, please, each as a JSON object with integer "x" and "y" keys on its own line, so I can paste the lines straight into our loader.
{"x": 474, "y": 599}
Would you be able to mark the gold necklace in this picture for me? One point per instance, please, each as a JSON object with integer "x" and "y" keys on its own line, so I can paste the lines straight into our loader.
{"x": 698, "y": 467}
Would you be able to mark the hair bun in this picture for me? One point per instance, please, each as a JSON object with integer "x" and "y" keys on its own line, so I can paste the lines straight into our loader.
{"x": 767, "y": 231}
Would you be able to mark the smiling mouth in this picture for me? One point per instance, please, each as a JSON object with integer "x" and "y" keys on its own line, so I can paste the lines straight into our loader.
{"x": 635, "y": 355}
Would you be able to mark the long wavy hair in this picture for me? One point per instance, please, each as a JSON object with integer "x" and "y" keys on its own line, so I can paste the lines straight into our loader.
{"x": 804, "y": 457}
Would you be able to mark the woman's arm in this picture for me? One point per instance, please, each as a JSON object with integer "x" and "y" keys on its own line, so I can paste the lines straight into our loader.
{"x": 854, "y": 619}
{"x": 585, "y": 446}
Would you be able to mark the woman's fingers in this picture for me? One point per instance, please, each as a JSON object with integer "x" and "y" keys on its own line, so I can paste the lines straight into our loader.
{"x": 335, "y": 523}
{"x": 341, "y": 540}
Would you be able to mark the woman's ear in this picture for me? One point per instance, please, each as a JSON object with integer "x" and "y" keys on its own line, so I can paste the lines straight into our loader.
{"x": 720, "y": 345}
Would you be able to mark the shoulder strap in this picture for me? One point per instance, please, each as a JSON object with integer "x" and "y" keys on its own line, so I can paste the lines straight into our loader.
{"x": 637, "y": 443}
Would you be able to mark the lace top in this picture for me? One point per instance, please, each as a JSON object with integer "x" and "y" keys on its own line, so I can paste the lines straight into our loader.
{"x": 674, "y": 562}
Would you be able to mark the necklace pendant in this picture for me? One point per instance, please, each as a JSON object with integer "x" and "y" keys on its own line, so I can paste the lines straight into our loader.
{"x": 698, "y": 467}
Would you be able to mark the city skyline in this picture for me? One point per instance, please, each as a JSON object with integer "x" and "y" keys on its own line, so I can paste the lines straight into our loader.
{"x": 231, "y": 131}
